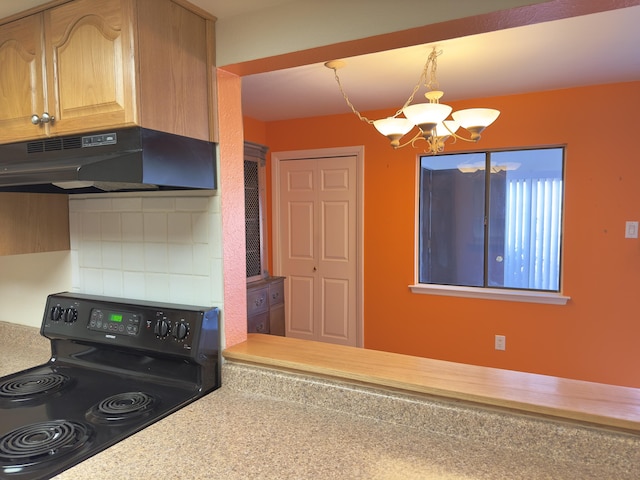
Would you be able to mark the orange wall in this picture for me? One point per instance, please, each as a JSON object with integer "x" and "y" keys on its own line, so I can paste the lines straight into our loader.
{"x": 596, "y": 336}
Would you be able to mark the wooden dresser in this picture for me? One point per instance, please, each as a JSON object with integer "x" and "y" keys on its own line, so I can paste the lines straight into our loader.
{"x": 265, "y": 306}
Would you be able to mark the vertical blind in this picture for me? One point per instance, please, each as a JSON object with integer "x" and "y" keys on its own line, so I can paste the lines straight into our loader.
{"x": 532, "y": 250}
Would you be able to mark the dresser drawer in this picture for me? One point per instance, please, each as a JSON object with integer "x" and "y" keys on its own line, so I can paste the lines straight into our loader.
{"x": 257, "y": 301}
{"x": 276, "y": 293}
{"x": 259, "y": 323}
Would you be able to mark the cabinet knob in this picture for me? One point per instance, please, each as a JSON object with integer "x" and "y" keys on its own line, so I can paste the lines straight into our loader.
{"x": 45, "y": 118}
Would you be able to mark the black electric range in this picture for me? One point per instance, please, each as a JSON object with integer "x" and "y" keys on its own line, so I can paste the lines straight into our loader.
{"x": 116, "y": 367}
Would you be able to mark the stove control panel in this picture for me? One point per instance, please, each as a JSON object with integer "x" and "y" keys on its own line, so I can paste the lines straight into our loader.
{"x": 140, "y": 325}
{"x": 116, "y": 322}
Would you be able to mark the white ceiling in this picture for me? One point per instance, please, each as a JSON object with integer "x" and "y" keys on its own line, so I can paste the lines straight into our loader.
{"x": 591, "y": 49}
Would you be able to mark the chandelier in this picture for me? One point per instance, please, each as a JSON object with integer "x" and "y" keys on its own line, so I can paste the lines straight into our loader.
{"x": 430, "y": 118}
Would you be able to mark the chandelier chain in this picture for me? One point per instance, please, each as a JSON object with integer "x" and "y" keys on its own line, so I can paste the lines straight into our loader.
{"x": 428, "y": 72}
{"x": 432, "y": 84}
{"x": 346, "y": 99}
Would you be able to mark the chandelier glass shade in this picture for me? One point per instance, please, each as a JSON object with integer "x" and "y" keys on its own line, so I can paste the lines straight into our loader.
{"x": 430, "y": 117}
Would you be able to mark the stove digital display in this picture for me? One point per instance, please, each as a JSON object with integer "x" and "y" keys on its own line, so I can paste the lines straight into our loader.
{"x": 116, "y": 317}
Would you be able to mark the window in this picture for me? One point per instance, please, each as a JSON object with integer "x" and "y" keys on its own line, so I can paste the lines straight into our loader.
{"x": 492, "y": 220}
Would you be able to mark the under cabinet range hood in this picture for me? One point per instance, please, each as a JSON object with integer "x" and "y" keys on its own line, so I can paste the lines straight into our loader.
{"x": 128, "y": 159}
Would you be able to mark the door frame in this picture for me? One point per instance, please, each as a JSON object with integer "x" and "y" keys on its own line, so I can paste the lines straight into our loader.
{"x": 358, "y": 152}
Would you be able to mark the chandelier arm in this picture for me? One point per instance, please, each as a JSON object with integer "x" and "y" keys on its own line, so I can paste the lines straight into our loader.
{"x": 411, "y": 142}
{"x": 456, "y": 136}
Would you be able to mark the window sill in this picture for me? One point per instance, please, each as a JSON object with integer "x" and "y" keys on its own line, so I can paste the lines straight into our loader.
{"x": 491, "y": 294}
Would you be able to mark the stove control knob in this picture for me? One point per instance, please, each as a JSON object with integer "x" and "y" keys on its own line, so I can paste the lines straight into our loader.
{"x": 162, "y": 328}
{"x": 180, "y": 331}
{"x": 70, "y": 315}
{"x": 56, "y": 313}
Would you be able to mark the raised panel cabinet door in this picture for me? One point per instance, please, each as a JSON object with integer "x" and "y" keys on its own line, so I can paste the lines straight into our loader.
{"x": 90, "y": 65}
{"x": 21, "y": 79}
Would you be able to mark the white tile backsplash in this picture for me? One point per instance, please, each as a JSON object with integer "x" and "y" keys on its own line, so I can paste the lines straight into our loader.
{"x": 91, "y": 281}
{"x": 179, "y": 227}
{"x": 157, "y": 286}
{"x": 112, "y": 255}
{"x": 74, "y": 230}
{"x": 192, "y": 204}
{"x": 156, "y": 257}
{"x": 127, "y": 204}
{"x": 155, "y": 227}
{"x": 158, "y": 248}
{"x": 181, "y": 288}
{"x": 90, "y": 254}
{"x": 201, "y": 260}
{"x": 133, "y": 284}
{"x": 112, "y": 283}
{"x": 110, "y": 226}
{"x": 132, "y": 227}
{"x": 181, "y": 259}
{"x": 160, "y": 204}
{"x": 90, "y": 226}
{"x": 98, "y": 204}
{"x": 200, "y": 223}
{"x": 133, "y": 256}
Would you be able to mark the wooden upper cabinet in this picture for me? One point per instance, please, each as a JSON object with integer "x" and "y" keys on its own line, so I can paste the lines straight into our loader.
{"x": 99, "y": 64}
{"x": 21, "y": 78}
{"x": 90, "y": 65}
{"x": 33, "y": 223}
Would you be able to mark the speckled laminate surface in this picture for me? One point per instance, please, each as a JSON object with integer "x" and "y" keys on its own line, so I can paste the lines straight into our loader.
{"x": 21, "y": 347}
{"x": 269, "y": 424}
{"x": 239, "y": 433}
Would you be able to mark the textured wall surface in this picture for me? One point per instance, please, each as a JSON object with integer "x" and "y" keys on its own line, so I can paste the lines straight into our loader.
{"x": 232, "y": 207}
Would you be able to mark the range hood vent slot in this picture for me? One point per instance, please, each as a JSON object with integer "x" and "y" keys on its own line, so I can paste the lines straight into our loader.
{"x": 54, "y": 144}
{"x": 35, "y": 147}
{"x": 71, "y": 142}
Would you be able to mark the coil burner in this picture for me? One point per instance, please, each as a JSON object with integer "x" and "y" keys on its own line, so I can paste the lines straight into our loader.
{"x": 37, "y": 443}
{"x": 122, "y": 407}
{"x": 32, "y": 387}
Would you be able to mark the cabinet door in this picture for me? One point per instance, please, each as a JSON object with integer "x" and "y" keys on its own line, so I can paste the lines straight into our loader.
{"x": 90, "y": 65}
{"x": 33, "y": 223}
{"x": 21, "y": 79}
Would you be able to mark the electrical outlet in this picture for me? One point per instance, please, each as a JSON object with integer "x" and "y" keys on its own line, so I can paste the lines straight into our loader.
{"x": 501, "y": 342}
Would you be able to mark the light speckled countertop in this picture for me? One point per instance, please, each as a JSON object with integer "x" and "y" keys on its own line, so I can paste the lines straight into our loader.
{"x": 268, "y": 424}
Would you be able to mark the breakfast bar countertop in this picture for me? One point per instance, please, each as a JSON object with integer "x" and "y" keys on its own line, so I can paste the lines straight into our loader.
{"x": 274, "y": 423}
